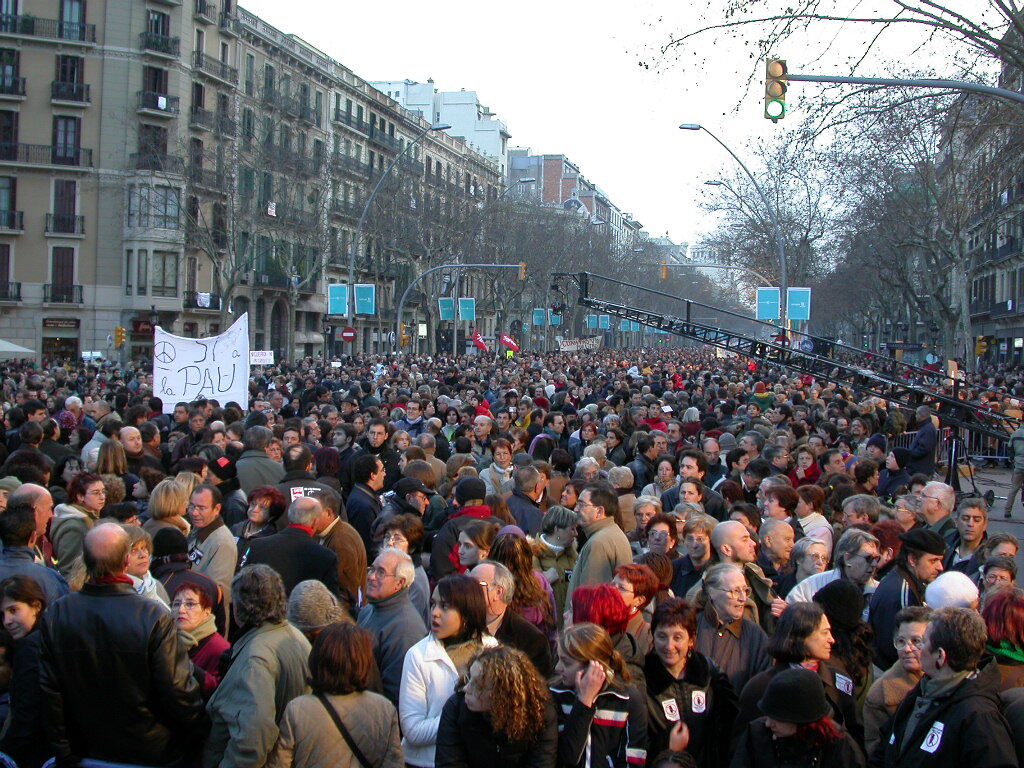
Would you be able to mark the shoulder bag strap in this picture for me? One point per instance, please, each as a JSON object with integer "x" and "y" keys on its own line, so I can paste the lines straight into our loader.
{"x": 356, "y": 751}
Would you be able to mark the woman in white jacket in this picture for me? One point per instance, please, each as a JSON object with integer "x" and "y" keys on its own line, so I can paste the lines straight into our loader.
{"x": 458, "y": 629}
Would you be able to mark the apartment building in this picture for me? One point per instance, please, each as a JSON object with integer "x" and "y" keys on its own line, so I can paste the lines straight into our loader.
{"x": 181, "y": 162}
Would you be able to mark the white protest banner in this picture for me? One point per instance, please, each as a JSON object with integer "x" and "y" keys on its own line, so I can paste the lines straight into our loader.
{"x": 261, "y": 357}
{"x": 579, "y": 345}
{"x": 187, "y": 369}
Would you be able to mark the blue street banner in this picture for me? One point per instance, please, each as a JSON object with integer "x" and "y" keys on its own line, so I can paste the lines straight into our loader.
{"x": 591, "y": 321}
{"x": 554, "y": 319}
{"x": 624, "y": 325}
{"x": 446, "y": 308}
{"x": 768, "y": 303}
{"x": 798, "y": 303}
{"x": 366, "y": 299}
{"x": 634, "y": 326}
{"x": 467, "y": 309}
{"x": 540, "y": 317}
{"x": 604, "y": 322}
{"x": 337, "y": 299}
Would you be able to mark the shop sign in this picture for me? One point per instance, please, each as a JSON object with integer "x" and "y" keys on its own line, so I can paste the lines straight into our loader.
{"x": 61, "y": 322}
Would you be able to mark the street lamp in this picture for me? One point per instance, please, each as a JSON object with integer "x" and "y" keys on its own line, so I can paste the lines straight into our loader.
{"x": 783, "y": 277}
{"x": 366, "y": 210}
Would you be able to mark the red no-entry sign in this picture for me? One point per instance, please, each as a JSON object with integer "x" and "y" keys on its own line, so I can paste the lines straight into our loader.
{"x": 348, "y": 333}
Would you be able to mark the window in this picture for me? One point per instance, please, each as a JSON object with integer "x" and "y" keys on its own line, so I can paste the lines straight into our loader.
{"x": 225, "y": 53}
{"x": 154, "y": 80}
{"x": 152, "y": 139}
{"x": 248, "y": 127}
{"x": 8, "y": 70}
{"x": 67, "y": 137}
{"x": 158, "y": 23}
{"x": 71, "y": 69}
{"x": 62, "y": 266}
{"x": 5, "y": 262}
{"x": 166, "y": 206}
{"x": 165, "y": 273}
{"x": 191, "y": 273}
{"x": 246, "y": 183}
{"x": 8, "y": 195}
{"x": 268, "y": 79}
{"x": 129, "y": 270}
{"x": 8, "y": 134}
{"x": 65, "y": 205}
{"x": 198, "y": 96}
{"x": 250, "y": 73}
{"x": 200, "y": 41}
{"x": 142, "y": 274}
{"x": 319, "y": 107}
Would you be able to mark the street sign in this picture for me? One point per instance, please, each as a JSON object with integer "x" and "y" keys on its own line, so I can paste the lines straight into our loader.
{"x": 392, "y": 339}
{"x": 768, "y": 303}
{"x": 906, "y": 346}
{"x": 798, "y": 303}
{"x": 348, "y": 333}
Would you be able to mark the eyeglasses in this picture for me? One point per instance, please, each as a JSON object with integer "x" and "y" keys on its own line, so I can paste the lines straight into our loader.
{"x": 658, "y": 535}
{"x": 913, "y": 642}
{"x": 395, "y": 538}
{"x": 872, "y": 560}
{"x": 189, "y": 605}
{"x": 379, "y": 573}
{"x": 817, "y": 558}
{"x": 197, "y": 508}
{"x": 739, "y": 593}
{"x": 993, "y": 578}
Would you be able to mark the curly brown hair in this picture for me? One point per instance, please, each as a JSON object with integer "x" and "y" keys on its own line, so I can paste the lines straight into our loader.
{"x": 518, "y": 695}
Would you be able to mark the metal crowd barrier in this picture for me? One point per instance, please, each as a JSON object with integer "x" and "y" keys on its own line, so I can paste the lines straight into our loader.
{"x": 975, "y": 447}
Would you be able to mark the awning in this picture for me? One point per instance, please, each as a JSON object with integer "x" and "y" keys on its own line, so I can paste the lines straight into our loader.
{"x": 9, "y": 349}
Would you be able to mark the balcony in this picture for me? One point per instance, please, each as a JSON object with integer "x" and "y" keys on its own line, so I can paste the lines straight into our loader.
{"x": 10, "y": 291}
{"x": 207, "y": 177}
{"x": 156, "y": 161}
{"x": 289, "y": 215}
{"x": 204, "y": 12}
{"x": 385, "y": 140}
{"x": 291, "y": 161}
{"x": 414, "y": 167}
{"x": 228, "y": 24}
{"x": 200, "y": 119}
{"x": 214, "y": 68}
{"x": 73, "y": 94}
{"x": 64, "y": 224}
{"x": 197, "y": 300}
{"x": 290, "y": 105}
{"x": 12, "y": 87}
{"x": 1005, "y": 308}
{"x": 348, "y": 164}
{"x": 157, "y": 104}
{"x": 347, "y": 118}
{"x": 62, "y": 294}
{"x": 309, "y": 115}
{"x": 12, "y": 221}
{"x": 1010, "y": 248}
{"x": 51, "y": 29}
{"x": 352, "y": 208}
{"x": 162, "y": 45}
{"x": 273, "y": 281}
{"x": 226, "y": 126}
{"x": 46, "y": 154}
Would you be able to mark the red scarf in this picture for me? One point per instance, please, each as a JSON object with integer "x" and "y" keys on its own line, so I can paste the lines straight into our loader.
{"x": 119, "y": 578}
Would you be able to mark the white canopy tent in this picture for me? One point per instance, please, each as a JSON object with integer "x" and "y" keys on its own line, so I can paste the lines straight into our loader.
{"x": 9, "y": 349}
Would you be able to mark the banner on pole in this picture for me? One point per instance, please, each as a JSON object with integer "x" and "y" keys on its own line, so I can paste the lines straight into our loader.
{"x": 446, "y": 308}
{"x": 509, "y": 342}
{"x": 579, "y": 345}
{"x": 478, "y": 340}
{"x": 624, "y": 325}
{"x": 539, "y": 317}
{"x": 604, "y": 322}
{"x": 768, "y": 304}
{"x": 591, "y": 321}
{"x": 337, "y": 299}
{"x": 634, "y": 326}
{"x": 467, "y": 310}
{"x": 798, "y": 303}
{"x": 366, "y": 299}
{"x": 554, "y": 319}
{"x": 217, "y": 366}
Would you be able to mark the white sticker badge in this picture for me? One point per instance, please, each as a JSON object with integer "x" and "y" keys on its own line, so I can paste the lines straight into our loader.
{"x": 671, "y": 710}
{"x": 933, "y": 738}
{"x": 844, "y": 684}
{"x": 698, "y": 701}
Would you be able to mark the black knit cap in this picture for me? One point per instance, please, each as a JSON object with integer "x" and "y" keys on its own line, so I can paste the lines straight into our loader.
{"x": 795, "y": 696}
{"x": 169, "y": 541}
{"x": 843, "y": 603}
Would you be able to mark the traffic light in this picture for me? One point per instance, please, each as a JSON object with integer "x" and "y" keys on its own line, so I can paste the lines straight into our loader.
{"x": 664, "y": 269}
{"x": 119, "y": 334}
{"x": 775, "y": 90}
{"x": 403, "y": 337}
{"x": 981, "y": 347}
{"x": 522, "y": 270}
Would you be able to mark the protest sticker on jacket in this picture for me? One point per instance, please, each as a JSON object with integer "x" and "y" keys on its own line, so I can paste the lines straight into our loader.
{"x": 217, "y": 367}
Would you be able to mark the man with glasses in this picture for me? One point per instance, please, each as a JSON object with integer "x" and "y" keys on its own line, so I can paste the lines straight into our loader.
{"x": 917, "y": 565}
{"x": 734, "y": 544}
{"x": 506, "y": 626}
{"x": 390, "y": 617}
{"x": 606, "y": 546}
{"x": 891, "y": 688}
{"x": 937, "y": 503}
{"x": 857, "y": 557}
{"x": 211, "y": 547}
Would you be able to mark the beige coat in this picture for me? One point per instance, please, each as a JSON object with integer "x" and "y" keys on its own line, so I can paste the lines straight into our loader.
{"x": 310, "y": 739}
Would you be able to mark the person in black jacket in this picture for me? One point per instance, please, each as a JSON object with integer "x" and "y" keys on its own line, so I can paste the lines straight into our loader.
{"x": 131, "y": 654}
{"x": 363, "y": 503}
{"x": 683, "y": 685}
{"x": 953, "y": 716}
{"x": 22, "y": 601}
{"x": 503, "y": 718}
{"x": 294, "y": 552}
{"x": 376, "y": 444}
{"x": 507, "y": 626}
{"x": 299, "y": 477}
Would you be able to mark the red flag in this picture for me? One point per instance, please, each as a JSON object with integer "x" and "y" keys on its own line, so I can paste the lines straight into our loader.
{"x": 479, "y": 340}
{"x": 508, "y": 342}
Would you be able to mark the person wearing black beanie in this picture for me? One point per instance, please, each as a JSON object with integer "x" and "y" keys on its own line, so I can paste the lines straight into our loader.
{"x": 894, "y": 479}
{"x": 843, "y": 603}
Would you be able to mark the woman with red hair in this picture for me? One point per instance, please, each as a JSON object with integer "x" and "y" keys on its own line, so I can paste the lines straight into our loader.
{"x": 638, "y": 585}
{"x": 602, "y": 604}
{"x": 796, "y": 729}
{"x": 1004, "y": 618}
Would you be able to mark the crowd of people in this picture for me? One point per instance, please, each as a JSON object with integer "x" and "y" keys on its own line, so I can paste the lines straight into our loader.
{"x": 646, "y": 557}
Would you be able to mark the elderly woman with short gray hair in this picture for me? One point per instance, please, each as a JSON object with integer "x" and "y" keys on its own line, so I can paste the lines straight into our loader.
{"x": 269, "y": 667}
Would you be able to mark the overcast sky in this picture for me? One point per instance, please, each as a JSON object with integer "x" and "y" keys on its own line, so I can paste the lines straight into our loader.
{"x": 565, "y": 78}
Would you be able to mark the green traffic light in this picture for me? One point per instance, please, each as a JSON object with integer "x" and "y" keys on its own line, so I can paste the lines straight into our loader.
{"x": 775, "y": 109}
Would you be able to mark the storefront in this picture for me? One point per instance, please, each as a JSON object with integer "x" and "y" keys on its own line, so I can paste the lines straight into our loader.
{"x": 60, "y": 338}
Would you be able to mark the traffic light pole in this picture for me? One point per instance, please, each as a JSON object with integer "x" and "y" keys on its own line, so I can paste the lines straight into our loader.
{"x": 408, "y": 290}
{"x": 915, "y": 82}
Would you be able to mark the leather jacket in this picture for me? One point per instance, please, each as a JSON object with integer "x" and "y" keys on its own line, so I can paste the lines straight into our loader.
{"x": 107, "y": 651}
